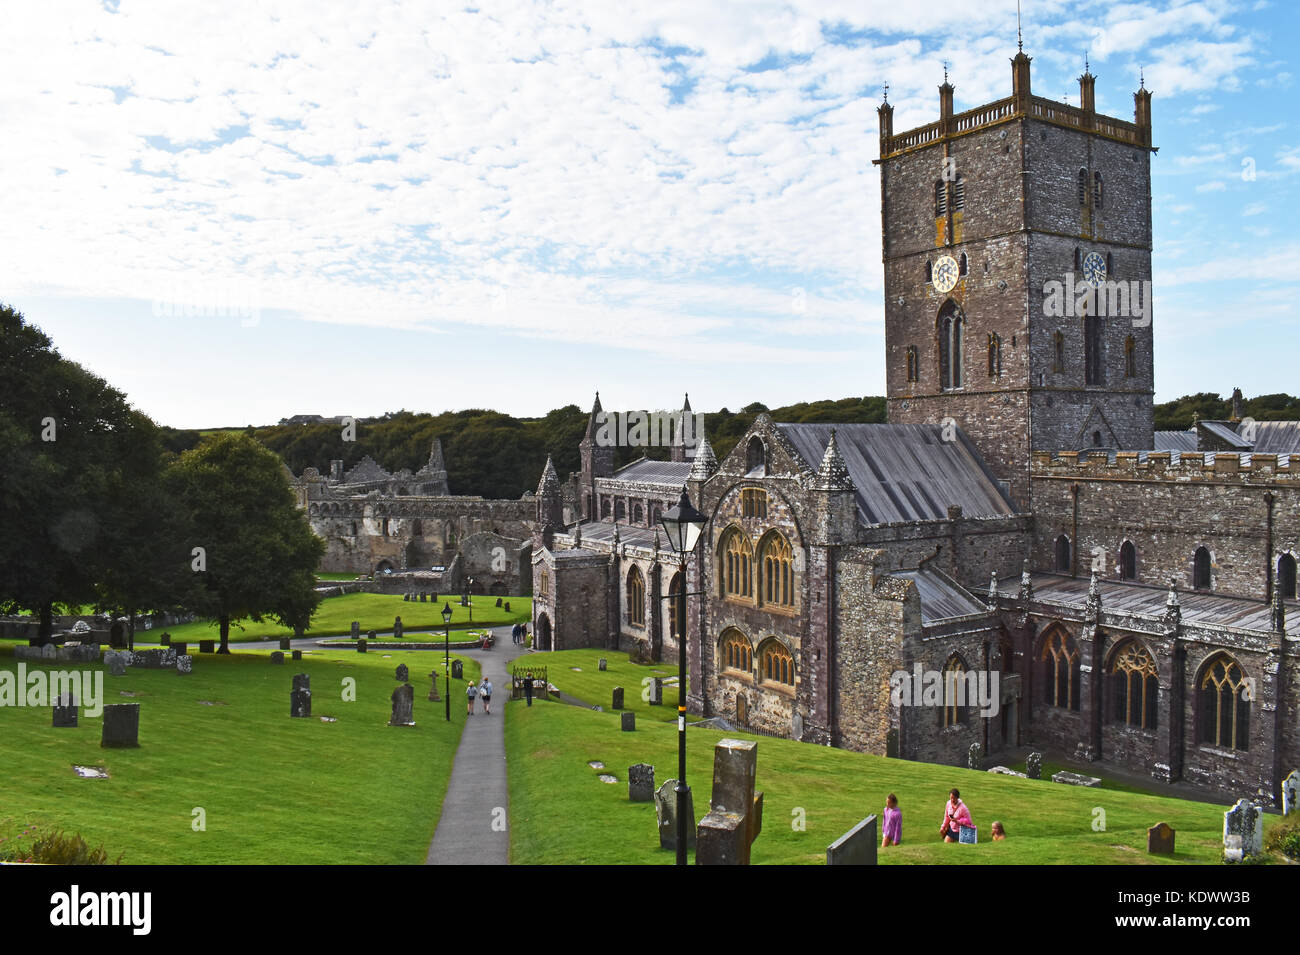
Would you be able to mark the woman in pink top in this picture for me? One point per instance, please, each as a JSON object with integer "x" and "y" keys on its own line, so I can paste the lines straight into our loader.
{"x": 955, "y": 815}
{"x": 893, "y": 824}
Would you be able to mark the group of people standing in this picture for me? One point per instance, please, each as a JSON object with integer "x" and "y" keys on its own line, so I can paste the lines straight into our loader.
{"x": 475, "y": 690}
{"x": 519, "y": 634}
{"x": 956, "y": 816}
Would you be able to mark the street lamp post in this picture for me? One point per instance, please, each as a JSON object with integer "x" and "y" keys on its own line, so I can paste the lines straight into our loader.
{"x": 446, "y": 659}
{"x": 683, "y": 525}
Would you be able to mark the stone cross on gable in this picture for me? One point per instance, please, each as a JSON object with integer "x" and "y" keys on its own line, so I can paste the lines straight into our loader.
{"x": 735, "y": 818}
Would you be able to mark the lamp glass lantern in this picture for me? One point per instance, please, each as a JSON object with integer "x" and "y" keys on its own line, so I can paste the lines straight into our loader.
{"x": 683, "y": 525}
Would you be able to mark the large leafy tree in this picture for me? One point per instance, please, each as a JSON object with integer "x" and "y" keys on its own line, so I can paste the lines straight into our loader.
{"x": 258, "y": 554}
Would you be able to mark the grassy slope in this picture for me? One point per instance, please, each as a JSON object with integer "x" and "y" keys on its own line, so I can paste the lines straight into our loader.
{"x": 275, "y": 789}
{"x": 592, "y": 686}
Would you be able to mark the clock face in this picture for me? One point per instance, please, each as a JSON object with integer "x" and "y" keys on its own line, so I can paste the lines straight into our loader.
{"x": 945, "y": 273}
{"x": 1094, "y": 268}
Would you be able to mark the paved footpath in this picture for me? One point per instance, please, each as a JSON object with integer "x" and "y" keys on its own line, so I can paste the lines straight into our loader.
{"x": 477, "y": 796}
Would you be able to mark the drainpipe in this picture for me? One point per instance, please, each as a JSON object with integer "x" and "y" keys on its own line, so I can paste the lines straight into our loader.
{"x": 1268, "y": 549}
{"x": 1074, "y": 531}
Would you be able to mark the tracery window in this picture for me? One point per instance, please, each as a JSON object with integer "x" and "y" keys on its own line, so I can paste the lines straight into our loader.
{"x": 777, "y": 663}
{"x": 635, "y": 597}
{"x": 950, "y": 335}
{"x": 735, "y": 652}
{"x": 954, "y": 674}
{"x": 1134, "y": 686}
{"x": 1060, "y": 661}
{"x": 753, "y": 502}
{"x": 736, "y": 565}
{"x": 1225, "y": 699}
{"x": 776, "y": 574}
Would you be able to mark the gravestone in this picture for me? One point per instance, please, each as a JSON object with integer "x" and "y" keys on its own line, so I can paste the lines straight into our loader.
{"x": 735, "y": 818}
{"x": 356, "y": 629}
{"x": 297, "y": 654}
{"x": 361, "y": 645}
{"x": 1242, "y": 833}
{"x": 422, "y": 597}
{"x": 617, "y": 702}
{"x": 165, "y": 639}
{"x": 666, "y": 813}
{"x": 65, "y": 710}
{"x": 401, "y": 674}
{"x": 406, "y": 598}
{"x": 1074, "y": 779}
{"x": 207, "y": 646}
{"x": 433, "y": 688}
{"x": 433, "y": 598}
{"x": 506, "y": 607}
{"x": 641, "y": 782}
{"x": 403, "y": 706}
{"x": 457, "y": 670}
{"x": 181, "y": 649}
{"x": 602, "y": 664}
{"x": 1034, "y": 765}
{"x": 116, "y": 663}
{"x": 284, "y": 643}
{"x": 1003, "y": 771}
{"x": 855, "y": 847}
{"x": 974, "y": 756}
{"x": 1290, "y": 788}
{"x": 657, "y": 691}
{"x": 300, "y": 695}
{"x": 370, "y": 634}
{"x": 629, "y": 721}
{"x": 184, "y": 664}
{"x": 1160, "y": 839}
{"x": 277, "y": 656}
{"x": 49, "y": 652}
{"x": 397, "y": 628}
{"x": 121, "y": 725}
{"x": 498, "y": 601}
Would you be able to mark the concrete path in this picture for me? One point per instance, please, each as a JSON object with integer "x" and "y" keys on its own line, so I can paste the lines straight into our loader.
{"x": 473, "y": 828}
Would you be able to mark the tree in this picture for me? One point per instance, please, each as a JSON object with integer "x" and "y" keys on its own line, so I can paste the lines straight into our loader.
{"x": 252, "y": 551}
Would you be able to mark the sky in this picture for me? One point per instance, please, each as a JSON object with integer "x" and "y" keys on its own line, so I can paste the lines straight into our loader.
{"x": 242, "y": 211}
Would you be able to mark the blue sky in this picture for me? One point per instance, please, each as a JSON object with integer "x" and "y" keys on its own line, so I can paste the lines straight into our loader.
{"x": 243, "y": 211}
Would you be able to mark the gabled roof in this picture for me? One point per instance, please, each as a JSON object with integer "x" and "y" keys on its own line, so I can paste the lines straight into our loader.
{"x": 905, "y": 472}
{"x": 1175, "y": 441}
{"x": 941, "y": 598}
{"x": 1277, "y": 437}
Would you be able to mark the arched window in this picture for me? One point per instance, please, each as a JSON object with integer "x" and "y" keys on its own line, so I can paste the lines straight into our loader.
{"x": 1058, "y": 350}
{"x": 674, "y": 607}
{"x": 354, "y": 528}
{"x": 753, "y": 502}
{"x": 1078, "y": 259}
{"x": 1201, "y": 569}
{"x": 735, "y": 565}
{"x": 1062, "y": 549}
{"x": 1096, "y": 190}
{"x": 620, "y": 509}
{"x": 995, "y": 356}
{"x": 544, "y": 586}
{"x": 1096, "y": 439}
{"x": 929, "y": 271}
{"x": 635, "y": 597}
{"x": 1083, "y": 187}
{"x": 954, "y": 692}
{"x": 756, "y": 457}
{"x": 637, "y": 515}
{"x": 1286, "y": 576}
{"x": 963, "y": 265}
{"x": 913, "y": 364}
{"x": 735, "y": 652}
{"x": 776, "y": 663}
{"x": 1110, "y": 266}
{"x": 1092, "y": 362}
{"x": 656, "y": 512}
{"x": 950, "y": 334}
{"x": 1128, "y": 561}
{"x": 1060, "y": 662}
{"x": 1134, "y": 686}
{"x": 604, "y": 507}
{"x": 1130, "y": 357}
{"x": 1224, "y": 703}
{"x": 775, "y": 568}
{"x": 940, "y": 199}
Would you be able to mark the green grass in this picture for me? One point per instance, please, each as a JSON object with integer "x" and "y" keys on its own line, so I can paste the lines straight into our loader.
{"x": 562, "y": 814}
{"x": 336, "y": 577}
{"x": 1050, "y": 769}
{"x": 375, "y": 611}
{"x": 594, "y": 687}
{"x": 275, "y": 789}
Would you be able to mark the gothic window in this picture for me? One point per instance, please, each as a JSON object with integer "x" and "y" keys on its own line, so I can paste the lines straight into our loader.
{"x": 929, "y": 271}
{"x": 753, "y": 502}
{"x": 656, "y": 513}
{"x": 1096, "y": 190}
{"x": 736, "y": 565}
{"x": 1062, "y": 554}
{"x": 777, "y": 664}
{"x": 1224, "y": 702}
{"x": 1083, "y": 187}
{"x": 735, "y": 652}
{"x": 637, "y": 515}
{"x": 544, "y": 587}
{"x": 756, "y": 457}
{"x": 1092, "y": 349}
{"x": 776, "y": 573}
{"x": 913, "y": 364}
{"x": 1060, "y": 661}
{"x": 674, "y": 608}
{"x": 1058, "y": 350}
{"x": 995, "y": 356}
{"x": 1201, "y": 569}
{"x": 1130, "y": 357}
{"x": 958, "y": 196}
{"x": 940, "y": 199}
{"x": 586, "y": 506}
{"x": 1286, "y": 576}
{"x": 635, "y": 598}
{"x": 1128, "y": 561}
{"x": 963, "y": 265}
{"x": 1110, "y": 266}
{"x": 1134, "y": 686}
{"x": 386, "y": 528}
{"x": 1096, "y": 439}
{"x": 950, "y": 334}
{"x": 954, "y": 673}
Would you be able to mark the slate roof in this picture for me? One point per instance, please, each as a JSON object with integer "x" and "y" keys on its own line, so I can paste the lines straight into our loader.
{"x": 1225, "y": 432}
{"x": 905, "y": 472}
{"x": 1175, "y": 441}
{"x": 667, "y": 473}
{"x": 603, "y": 532}
{"x": 1277, "y": 437}
{"x": 941, "y": 598}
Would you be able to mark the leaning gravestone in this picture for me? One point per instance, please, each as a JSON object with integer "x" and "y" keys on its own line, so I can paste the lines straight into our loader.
{"x": 1034, "y": 765}
{"x": 65, "y": 710}
{"x": 736, "y": 815}
{"x": 629, "y": 721}
{"x": 300, "y": 695}
{"x": 277, "y": 656}
{"x": 1242, "y": 834}
{"x": 641, "y": 782}
{"x": 974, "y": 756}
{"x": 397, "y": 628}
{"x": 855, "y": 847}
{"x": 121, "y": 725}
{"x": 666, "y": 812}
{"x": 1160, "y": 839}
{"x": 617, "y": 701}
{"x": 184, "y": 664}
{"x": 1290, "y": 787}
{"x": 603, "y": 664}
{"x": 401, "y": 674}
{"x": 116, "y": 663}
{"x": 403, "y": 706}
{"x": 356, "y": 629}
{"x": 457, "y": 670}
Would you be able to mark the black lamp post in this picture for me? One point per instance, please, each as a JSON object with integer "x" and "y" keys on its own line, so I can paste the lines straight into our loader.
{"x": 446, "y": 661}
{"x": 683, "y": 525}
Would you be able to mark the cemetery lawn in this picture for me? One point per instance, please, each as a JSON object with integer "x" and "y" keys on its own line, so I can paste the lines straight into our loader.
{"x": 593, "y": 687}
{"x": 274, "y": 789}
{"x": 334, "y": 617}
{"x": 560, "y": 812}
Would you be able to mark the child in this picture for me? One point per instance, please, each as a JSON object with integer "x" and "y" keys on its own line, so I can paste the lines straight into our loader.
{"x": 471, "y": 691}
{"x": 955, "y": 815}
{"x": 893, "y": 823}
{"x": 998, "y": 832}
{"x": 485, "y": 691}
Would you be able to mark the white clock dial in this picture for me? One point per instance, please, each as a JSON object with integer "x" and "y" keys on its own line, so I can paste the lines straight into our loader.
{"x": 945, "y": 273}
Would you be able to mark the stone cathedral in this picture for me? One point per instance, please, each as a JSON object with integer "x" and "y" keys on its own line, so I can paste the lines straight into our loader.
{"x": 1134, "y": 591}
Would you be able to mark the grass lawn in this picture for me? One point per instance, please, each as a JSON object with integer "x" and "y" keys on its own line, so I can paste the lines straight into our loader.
{"x": 590, "y": 685}
{"x": 336, "y": 576}
{"x": 334, "y": 616}
{"x": 275, "y": 789}
{"x": 562, "y": 814}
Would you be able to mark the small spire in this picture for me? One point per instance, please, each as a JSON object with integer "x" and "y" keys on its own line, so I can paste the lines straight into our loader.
{"x": 1086, "y": 69}
{"x": 886, "y": 91}
{"x": 1172, "y": 600}
{"x": 1020, "y": 40}
{"x": 945, "y": 71}
{"x": 550, "y": 481}
{"x": 1142, "y": 78}
{"x": 1094, "y": 587}
{"x": 833, "y": 475}
{"x": 705, "y": 464}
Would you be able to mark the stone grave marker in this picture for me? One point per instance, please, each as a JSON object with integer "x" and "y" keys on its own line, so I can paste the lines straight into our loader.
{"x": 498, "y": 601}
{"x": 284, "y": 643}
{"x": 361, "y": 645}
{"x": 967, "y": 835}
{"x": 457, "y": 670}
{"x": 1160, "y": 839}
{"x": 433, "y": 598}
{"x": 403, "y": 706}
{"x": 666, "y": 814}
{"x": 629, "y": 721}
{"x": 424, "y": 598}
{"x": 974, "y": 756}
{"x": 165, "y": 639}
{"x": 65, "y": 710}
{"x": 181, "y": 648}
{"x": 603, "y": 664}
{"x": 121, "y": 725}
{"x": 277, "y": 656}
{"x": 506, "y": 607}
{"x": 735, "y": 818}
{"x": 657, "y": 691}
{"x": 617, "y": 702}
{"x": 207, "y": 646}
{"x": 116, "y": 663}
{"x": 184, "y": 665}
{"x": 855, "y": 847}
{"x": 406, "y": 598}
{"x": 370, "y": 634}
{"x": 356, "y": 629}
{"x": 300, "y": 695}
{"x": 397, "y": 628}
{"x": 1242, "y": 833}
{"x": 1074, "y": 779}
{"x": 433, "y": 688}
{"x": 1290, "y": 789}
{"x": 641, "y": 782}
{"x": 1034, "y": 765}
{"x": 297, "y": 654}
{"x": 401, "y": 674}
{"x": 49, "y": 652}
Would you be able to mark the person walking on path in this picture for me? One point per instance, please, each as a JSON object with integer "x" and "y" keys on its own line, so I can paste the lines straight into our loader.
{"x": 486, "y": 692}
{"x": 470, "y": 692}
